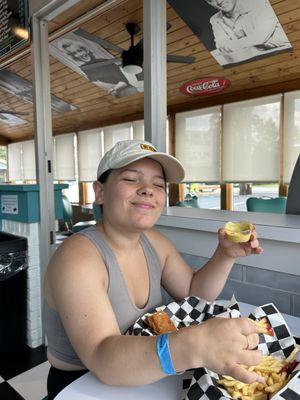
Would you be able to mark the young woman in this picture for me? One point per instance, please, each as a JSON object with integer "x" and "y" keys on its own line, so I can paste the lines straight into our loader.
{"x": 102, "y": 279}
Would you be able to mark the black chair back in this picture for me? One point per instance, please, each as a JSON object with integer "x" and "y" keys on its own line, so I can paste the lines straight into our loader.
{"x": 293, "y": 199}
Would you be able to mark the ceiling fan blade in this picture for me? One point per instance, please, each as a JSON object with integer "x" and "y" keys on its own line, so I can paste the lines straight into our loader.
{"x": 140, "y": 45}
{"x": 180, "y": 59}
{"x": 13, "y": 112}
{"x": 103, "y": 42}
{"x": 98, "y": 63}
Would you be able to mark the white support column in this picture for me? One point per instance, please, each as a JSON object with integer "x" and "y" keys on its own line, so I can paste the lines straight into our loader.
{"x": 43, "y": 140}
{"x": 155, "y": 72}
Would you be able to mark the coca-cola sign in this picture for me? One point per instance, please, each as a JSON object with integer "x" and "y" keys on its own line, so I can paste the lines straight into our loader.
{"x": 205, "y": 86}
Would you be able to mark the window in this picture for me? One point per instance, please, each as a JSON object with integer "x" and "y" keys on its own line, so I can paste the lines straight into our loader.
{"x": 65, "y": 164}
{"x": 28, "y": 158}
{"x": 251, "y": 140}
{"x": 64, "y": 157}
{"x": 198, "y": 148}
{"x": 90, "y": 192}
{"x": 241, "y": 192}
{"x": 3, "y": 163}
{"x": 21, "y": 162}
{"x": 72, "y": 192}
{"x": 115, "y": 133}
{"x": 197, "y": 141}
{"x": 207, "y": 195}
{"x": 90, "y": 152}
{"x": 15, "y": 162}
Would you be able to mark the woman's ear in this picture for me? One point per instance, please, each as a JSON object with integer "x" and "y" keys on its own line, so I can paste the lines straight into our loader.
{"x": 98, "y": 189}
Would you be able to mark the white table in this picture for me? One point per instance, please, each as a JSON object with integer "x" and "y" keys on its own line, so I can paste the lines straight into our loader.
{"x": 88, "y": 387}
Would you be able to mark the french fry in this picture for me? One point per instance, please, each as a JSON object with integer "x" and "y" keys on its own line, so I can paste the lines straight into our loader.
{"x": 274, "y": 388}
{"x": 293, "y": 354}
{"x": 270, "y": 369}
{"x": 263, "y": 326}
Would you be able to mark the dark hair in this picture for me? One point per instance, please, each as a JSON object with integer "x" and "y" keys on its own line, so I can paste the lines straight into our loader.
{"x": 102, "y": 179}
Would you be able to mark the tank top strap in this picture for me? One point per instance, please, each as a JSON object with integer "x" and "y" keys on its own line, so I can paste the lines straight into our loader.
{"x": 97, "y": 239}
{"x": 151, "y": 253}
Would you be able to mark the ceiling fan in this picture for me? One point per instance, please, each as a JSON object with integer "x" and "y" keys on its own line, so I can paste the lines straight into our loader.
{"x": 132, "y": 59}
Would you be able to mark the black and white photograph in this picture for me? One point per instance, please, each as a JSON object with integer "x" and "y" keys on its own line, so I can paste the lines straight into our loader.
{"x": 20, "y": 87}
{"x": 234, "y": 31}
{"x": 78, "y": 49}
{"x": 11, "y": 119}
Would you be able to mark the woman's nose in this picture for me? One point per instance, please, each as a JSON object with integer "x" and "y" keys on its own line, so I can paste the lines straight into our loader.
{"x": 145, "y": 191}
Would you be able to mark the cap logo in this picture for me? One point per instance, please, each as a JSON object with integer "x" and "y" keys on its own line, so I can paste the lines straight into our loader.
{"x": 147, "y": 147}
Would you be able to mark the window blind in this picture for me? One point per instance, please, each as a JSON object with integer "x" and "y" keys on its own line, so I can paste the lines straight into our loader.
{"x": 197, "y": 138}
{"x": 115, "y": 133}
{"x": 90, "y": 152}
{"x": 138, "y": 130}
{"x": 64, "y": 157}
{"x": 251, "y": 140}
{"x": 14, "y": 161}
{"x": 28, "y": 156}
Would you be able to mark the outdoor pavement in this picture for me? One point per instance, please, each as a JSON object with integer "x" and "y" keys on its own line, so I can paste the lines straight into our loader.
{"x": 212, "y": 200}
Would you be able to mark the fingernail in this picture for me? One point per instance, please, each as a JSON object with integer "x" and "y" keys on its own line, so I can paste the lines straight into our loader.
{"x": 260, "y": 379}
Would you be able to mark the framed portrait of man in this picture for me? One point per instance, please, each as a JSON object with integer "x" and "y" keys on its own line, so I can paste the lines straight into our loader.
{"x": 234, "y": 31}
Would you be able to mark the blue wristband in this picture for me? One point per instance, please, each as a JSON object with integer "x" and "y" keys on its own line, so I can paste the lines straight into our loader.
{"x": 163, "y": 352}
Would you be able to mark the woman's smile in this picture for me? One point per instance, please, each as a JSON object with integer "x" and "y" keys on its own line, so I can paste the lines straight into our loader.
{"x": 143, "y": 205}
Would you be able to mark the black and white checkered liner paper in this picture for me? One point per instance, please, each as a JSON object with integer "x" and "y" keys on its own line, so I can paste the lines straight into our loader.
{"x": 201, "y": 383}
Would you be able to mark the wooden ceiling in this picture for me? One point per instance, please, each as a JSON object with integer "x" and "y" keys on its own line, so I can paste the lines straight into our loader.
{"x": 96, "y": 108}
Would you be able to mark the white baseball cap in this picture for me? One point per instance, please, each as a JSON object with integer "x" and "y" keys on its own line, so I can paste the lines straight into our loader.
{"x": 126, "y": 152}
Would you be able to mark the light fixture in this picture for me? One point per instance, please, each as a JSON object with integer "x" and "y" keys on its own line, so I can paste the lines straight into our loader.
{"x": 132, "y": 61}
{"x": 132, "y": 69}
{"x": 20, "y": 32}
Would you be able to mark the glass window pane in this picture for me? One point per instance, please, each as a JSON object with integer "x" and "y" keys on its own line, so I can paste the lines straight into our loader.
{"x": 241, "y": 192}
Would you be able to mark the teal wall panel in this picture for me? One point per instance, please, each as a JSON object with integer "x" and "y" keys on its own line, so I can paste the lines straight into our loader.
{"x": 27, "y": 202}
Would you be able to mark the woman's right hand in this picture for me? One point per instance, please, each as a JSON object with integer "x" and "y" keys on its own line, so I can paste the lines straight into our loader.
{"x": 225, "y": 345}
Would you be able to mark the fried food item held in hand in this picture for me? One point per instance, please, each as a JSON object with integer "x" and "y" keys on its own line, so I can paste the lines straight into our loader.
{"x": 160, "y": 322}
{"x": 264, "y": 326}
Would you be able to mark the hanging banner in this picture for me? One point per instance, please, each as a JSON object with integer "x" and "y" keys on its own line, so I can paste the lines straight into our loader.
{"x": 205, "y": 86}
{"x": 14, "y": 28}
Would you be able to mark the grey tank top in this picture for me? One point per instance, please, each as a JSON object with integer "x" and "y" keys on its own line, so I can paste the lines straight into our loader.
{"x": 126, "y": 312}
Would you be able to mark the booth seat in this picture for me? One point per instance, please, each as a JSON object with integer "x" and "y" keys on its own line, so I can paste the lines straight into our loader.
{"x": 267, "y": 204}
{"x": 189, "y": 201}
{"x": 68, "y": 217}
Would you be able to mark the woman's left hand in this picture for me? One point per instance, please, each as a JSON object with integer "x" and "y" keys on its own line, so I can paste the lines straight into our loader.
{"x": 235, "y": 250}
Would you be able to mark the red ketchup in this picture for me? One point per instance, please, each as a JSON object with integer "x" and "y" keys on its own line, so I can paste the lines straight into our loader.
{"x": 289, "y": 367}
